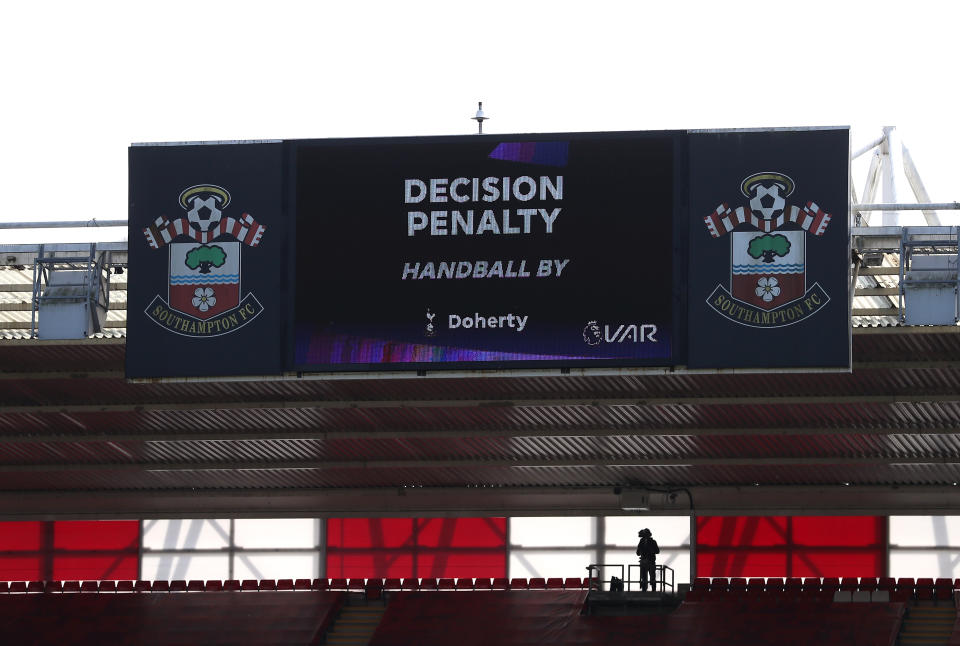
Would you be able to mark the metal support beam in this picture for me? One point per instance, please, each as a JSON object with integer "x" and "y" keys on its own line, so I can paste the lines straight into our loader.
{"x": 919, "y": 190}
{"x": 469, "y": 502}
{"x": 71, "y": 435}
{"x": 475, "y": 465}
{"x": 907, "y": 206}
{"x": 64, "y": 224}
{"x": 738, "y": 399}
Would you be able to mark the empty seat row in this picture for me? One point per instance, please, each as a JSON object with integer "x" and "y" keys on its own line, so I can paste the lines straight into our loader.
{"x": 154, "y": 586}
{"x": 433, "y": 583}
{"x": 251, "y": 585}
{"x": 536, "y": 583}
{"x": 899, "y": 589}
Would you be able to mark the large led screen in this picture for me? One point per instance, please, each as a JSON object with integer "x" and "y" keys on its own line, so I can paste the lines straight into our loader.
{"x": 689, "y": 250}
{"x": 482, "y": 251}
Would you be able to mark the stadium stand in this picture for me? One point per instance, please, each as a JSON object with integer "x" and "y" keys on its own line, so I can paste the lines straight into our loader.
{"x": 554, "y": 617}
{"x": 843, "y": 411}
{"x": 168, "y": 619}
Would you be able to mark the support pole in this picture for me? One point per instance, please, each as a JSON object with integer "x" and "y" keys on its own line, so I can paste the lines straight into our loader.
{"x": 891, "y": 161}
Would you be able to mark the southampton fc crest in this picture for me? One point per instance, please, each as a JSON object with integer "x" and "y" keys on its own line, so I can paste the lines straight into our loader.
{"x": 204, "y": 249}
{"x": 768, "y": 260}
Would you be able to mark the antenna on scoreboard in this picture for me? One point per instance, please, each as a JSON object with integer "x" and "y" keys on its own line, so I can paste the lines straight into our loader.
{"x": 480, "y": 118}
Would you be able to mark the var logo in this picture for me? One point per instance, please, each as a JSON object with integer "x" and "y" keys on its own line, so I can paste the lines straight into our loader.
{"x": 594, "y": 334}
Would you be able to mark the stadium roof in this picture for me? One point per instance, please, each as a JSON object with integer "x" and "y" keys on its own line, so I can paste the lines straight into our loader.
{"x": 78, "y": 440}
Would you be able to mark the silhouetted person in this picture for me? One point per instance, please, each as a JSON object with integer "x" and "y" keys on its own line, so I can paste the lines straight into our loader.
{"x": 647, "y": 550}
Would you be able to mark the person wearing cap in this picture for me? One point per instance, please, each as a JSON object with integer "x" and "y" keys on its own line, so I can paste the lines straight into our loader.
{"x": 647, "y": 550}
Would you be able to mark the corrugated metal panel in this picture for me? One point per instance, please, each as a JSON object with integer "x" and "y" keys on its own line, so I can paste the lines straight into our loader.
{"x": 475, "y": 450}
{"x": 871, "y": 422}
{"x": 591, "y": 476}
{"x": 559, "y": 420}
{"x": 113, "y": 391}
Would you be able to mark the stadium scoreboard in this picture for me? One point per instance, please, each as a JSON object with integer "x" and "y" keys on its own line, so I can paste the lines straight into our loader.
{"x": 667, "y": 249}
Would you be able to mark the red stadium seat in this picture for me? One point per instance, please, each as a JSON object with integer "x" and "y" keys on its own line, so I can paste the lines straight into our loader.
{"x": 213, "y": 585}
{"x": 179, "y": 585}
{"x": 268, "y": 584}
{"x": 793, "y": 583}
{"x": 847, "y": 583}
{"x": 88, "y": 586}
{"x": 125, "y": 586}
{"x": 554, "y": 583}
{"x": 774, "y": 584}
{"x": 868, "y": 583}
{"x": 738, "y": 584}
{"x": 756, "y": 585}
{"x": 482, "y": 584}
{"x": 68, "y": 586}
{"x": 142, "y": 586}
{"x": 519, "y": 584}
{"x": 830, "y": 584}
{"x": 338, "y": 584}
{"x": 537, "y": 583}
{"x": 356, "y": 584}
{"x": 195, "y": 585}
{"x": 448, "y": 584}
{"x": 924, "y": 589}
{"x": 573, "y": 583}
{"x": 107, "y": 586}
{"x": 465, "y": 583}
{"x": 811, "y": 583}
{"x": 249, "y": 585}
{"x": 943, "y": 589}
{"x": 901, "y": 596}
{"x": 428, "y": 583}
{"x": 286, "y": 585}
{"x": 231, "y": 585}
{"x": 52, "y": 586}
{"x": 906, "y": 584}
{"x": 499, "y": 583}
{"x": 886, "y": 583}
{"x": 411, "y": 584}
{"x": 20, "y": 587}
{"x": 320, "y": 584}
{"x": 302, "y": 584}
{"x": 700, "y": 583}
{"x": 373, "y": 590}
{"x": 719, "y": 584}
{"x": 392, "y": 584}
{"x": 160, "y": 586}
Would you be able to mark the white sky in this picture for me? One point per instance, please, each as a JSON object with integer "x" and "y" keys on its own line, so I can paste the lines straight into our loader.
{"x": 82, "y": 80}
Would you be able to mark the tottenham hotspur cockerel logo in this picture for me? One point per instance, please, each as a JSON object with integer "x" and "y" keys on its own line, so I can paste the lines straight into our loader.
{"x": 204, "y": 249}
{"x": 768, "y": 285}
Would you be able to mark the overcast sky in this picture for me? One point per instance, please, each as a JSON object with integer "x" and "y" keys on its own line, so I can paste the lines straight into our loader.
{"x": 83, "y": 80}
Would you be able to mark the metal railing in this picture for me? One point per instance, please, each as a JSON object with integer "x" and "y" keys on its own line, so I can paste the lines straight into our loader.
{"x": 665, "y": 576}
{"x": 661, "y": 574}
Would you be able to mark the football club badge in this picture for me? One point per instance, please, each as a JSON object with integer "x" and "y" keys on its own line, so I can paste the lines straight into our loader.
{"x": 430, "y": 329}
{"x": 768, "y": 260}
{"x": 204, "y": 248}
